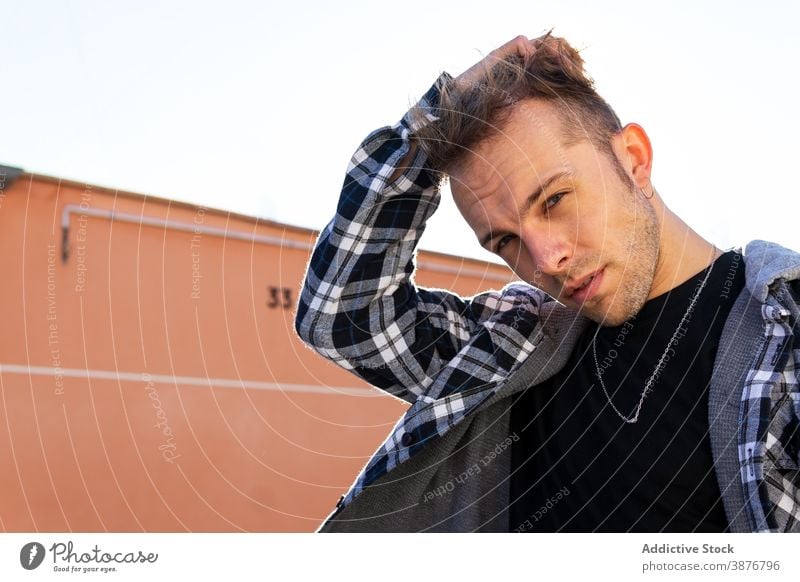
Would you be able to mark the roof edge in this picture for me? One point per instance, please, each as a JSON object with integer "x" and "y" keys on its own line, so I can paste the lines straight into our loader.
{"x": 15, "y": 173}
{"x": 8, "y": 175}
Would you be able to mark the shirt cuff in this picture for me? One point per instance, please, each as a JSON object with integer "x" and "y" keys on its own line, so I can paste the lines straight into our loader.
{"x": 429, "y": 103}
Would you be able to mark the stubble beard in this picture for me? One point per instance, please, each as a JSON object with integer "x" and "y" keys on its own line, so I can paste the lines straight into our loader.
{"x": 638, "y": 271}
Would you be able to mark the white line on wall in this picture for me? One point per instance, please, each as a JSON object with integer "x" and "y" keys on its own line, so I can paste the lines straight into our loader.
{"x": 187, "y": 380}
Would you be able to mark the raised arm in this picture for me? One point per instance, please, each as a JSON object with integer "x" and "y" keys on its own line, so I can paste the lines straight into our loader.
{"x": 358, "y": 306}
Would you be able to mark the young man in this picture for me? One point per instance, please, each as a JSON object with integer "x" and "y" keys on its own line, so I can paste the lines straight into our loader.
{"x": 637, "y": 378}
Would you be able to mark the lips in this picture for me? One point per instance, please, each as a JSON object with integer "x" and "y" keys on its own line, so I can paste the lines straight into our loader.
{"x": 585, "y": 288}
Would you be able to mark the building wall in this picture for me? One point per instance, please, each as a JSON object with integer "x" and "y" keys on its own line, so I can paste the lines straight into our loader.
{"x": 152, "y": 381}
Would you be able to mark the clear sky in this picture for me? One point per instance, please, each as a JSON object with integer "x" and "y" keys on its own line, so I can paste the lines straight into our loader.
{"x": 256, "y": 107}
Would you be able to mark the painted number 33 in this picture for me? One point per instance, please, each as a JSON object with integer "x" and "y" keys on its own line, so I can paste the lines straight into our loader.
{"x": 279, "y": 297}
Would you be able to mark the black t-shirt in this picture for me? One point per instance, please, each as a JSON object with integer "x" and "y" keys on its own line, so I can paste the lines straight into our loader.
{"x": 578, "y": 467}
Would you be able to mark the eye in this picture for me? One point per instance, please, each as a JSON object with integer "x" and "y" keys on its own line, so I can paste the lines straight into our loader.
{"x": 503, "y": 242}
{"x": 553, "y": 200}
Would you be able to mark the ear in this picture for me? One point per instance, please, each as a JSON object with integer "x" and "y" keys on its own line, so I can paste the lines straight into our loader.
{"x": 634, "y": 151}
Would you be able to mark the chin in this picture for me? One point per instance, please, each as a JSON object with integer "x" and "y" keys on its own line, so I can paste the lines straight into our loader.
{"x": 615, "y": 315}
{"x": 610, "y": 320}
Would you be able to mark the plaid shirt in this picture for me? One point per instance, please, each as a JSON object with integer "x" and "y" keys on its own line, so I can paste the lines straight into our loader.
{"x": 446, "y": 355}
{"x": 769, "y": 434}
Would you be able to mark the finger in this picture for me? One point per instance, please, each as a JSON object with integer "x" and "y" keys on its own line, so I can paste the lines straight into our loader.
{"x": 515, "y": 45}
{"x": 519, "y": 45}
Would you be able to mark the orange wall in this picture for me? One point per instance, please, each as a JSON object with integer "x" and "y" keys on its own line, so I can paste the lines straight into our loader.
{"x": 147, "y": 384}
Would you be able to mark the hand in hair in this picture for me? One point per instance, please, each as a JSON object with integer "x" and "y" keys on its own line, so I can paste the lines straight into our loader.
{"x": 519, "y": 45}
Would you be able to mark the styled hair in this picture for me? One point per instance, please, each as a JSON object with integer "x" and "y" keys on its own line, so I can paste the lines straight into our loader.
{"x": 553, "y": 72}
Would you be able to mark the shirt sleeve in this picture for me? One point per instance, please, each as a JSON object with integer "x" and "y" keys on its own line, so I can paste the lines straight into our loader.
{"x": 358, "y": 305}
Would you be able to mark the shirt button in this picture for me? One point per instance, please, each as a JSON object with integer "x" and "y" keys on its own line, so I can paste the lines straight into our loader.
{"x": 407, "y": 439}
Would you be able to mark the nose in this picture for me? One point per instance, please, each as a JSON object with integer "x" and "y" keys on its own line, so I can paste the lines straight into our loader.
{"x": 550, "y": 252}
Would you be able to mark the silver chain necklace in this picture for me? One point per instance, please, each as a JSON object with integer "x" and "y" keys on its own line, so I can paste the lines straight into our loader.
{"x": 660, "y": 364}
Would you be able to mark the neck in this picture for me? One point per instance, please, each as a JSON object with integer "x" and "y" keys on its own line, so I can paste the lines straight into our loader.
{"x": 682, "y": 253}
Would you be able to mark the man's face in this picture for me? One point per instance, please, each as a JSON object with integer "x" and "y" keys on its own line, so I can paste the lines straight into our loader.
{"x": 585, "y": 221}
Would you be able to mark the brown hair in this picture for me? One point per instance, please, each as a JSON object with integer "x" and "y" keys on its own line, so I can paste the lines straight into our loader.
{"x": 554, "y": 72}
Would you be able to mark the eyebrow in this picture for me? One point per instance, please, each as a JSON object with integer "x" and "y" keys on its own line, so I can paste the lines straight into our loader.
{"x": 531, "y": 200}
